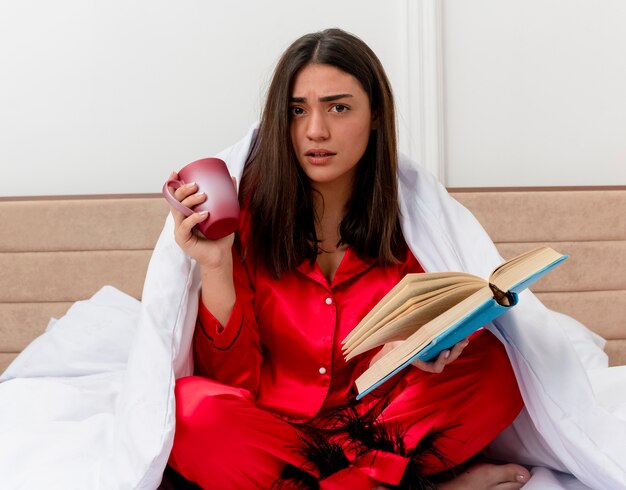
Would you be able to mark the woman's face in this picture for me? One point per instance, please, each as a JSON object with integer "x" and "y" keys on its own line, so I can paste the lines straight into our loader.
{"x": 331, "y": 121}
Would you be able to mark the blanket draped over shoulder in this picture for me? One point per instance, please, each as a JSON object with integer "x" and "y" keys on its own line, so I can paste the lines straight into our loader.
{"x": 90, "y": 403}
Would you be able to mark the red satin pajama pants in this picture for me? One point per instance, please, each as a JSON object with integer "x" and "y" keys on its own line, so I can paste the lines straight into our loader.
{"x": 224, "y": 441}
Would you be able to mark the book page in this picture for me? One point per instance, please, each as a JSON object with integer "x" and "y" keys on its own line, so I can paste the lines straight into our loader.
{"x": 411, "y": 286}
{"x": 416, "y": 302}
{"x": 523, "y": 267}
{"x": 414, "y": 314}
{"x": 511, "y": 262}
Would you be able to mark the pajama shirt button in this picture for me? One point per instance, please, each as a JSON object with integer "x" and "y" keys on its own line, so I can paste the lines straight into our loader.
{"x": 322, "y": 370}
{"x": 329, "y": 301}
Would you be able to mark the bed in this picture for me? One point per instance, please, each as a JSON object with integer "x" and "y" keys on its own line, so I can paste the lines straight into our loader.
{"x": 56, "y": 251}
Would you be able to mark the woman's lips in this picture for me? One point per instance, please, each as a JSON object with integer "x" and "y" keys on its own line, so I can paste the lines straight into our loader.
{"x": 319, "y": 156}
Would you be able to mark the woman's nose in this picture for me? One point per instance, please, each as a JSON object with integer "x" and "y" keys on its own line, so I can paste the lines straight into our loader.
{"x": 317, "y": 129}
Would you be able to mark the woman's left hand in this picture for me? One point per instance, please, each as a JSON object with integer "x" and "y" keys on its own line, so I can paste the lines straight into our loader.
{"x": 445, "y": 357}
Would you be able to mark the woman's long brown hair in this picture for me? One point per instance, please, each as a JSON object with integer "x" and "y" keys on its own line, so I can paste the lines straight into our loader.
{"x": 281, "y": 228}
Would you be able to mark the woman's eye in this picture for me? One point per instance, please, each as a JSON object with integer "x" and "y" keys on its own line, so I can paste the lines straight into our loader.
{"x": 296, "y": 111}
{"x": 339, "y": 108}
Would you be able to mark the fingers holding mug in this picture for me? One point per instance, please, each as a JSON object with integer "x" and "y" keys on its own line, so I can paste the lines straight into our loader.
{"x": 184, "y": 231}
{"x": 194, "y": 199}
{"x": 187, "y": 195}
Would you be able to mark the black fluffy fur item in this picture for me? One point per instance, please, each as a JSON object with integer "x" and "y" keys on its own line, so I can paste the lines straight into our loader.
{"x": 344, "y": 428}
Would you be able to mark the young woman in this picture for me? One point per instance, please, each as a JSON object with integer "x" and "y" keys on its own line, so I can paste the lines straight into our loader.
{"x": 319, "y": 243}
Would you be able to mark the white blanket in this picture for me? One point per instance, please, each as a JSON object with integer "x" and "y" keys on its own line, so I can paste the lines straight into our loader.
{"x": 89, "y": 404}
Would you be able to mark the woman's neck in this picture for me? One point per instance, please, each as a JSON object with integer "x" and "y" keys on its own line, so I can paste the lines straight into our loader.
{"x": 330, "y": 202}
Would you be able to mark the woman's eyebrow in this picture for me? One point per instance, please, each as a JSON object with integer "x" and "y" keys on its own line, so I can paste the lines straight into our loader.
{"x": 331, "y": 98}
{"x": 326, "y": 98}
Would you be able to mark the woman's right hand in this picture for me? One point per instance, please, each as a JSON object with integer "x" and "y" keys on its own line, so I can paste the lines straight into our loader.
{"x": 210, "y": 254}
{"x": 213, "y": 256}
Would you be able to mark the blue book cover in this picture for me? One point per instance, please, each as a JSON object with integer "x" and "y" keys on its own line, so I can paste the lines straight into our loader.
{"x": 460, "y": 321}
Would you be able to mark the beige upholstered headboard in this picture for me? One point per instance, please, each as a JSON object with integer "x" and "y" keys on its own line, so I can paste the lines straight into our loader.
{"x": 54, "y": 251}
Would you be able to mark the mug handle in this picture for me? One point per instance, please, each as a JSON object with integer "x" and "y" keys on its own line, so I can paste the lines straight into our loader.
{"x": 172, "y": 200}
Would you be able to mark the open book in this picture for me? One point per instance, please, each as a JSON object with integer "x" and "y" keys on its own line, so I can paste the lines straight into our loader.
{"x": 431, "y": 312}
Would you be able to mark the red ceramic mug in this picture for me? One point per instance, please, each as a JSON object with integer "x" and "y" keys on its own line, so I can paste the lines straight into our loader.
{"x": 212, "y": 177}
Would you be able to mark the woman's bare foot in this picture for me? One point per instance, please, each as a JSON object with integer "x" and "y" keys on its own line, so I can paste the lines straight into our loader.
{"x": 486, "y": 476}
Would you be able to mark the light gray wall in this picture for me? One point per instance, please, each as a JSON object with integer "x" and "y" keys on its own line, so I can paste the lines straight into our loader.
{"x": 534, "y": 92}
{"x": 109, "y": 97}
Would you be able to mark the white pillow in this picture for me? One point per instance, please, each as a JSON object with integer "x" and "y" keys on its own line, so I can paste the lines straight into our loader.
{"x": 94, "y": 336}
